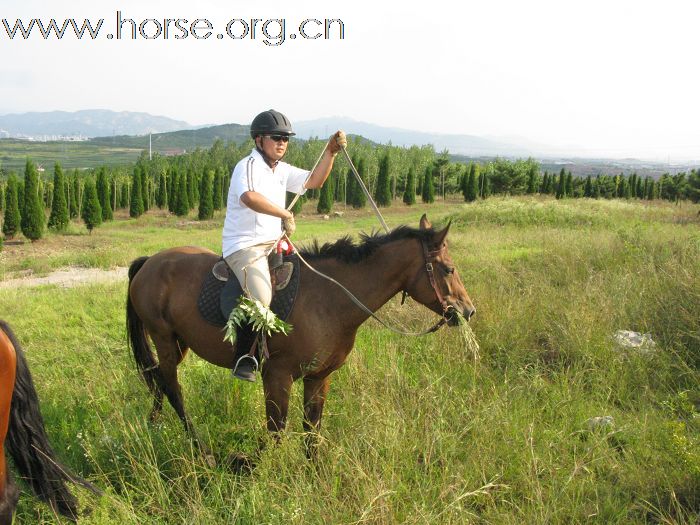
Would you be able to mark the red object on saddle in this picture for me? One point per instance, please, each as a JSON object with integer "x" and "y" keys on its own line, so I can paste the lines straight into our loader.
{"x": 285, "y": 248}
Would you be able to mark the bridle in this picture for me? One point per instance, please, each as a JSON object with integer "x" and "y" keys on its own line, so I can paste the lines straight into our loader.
{"x": 429, "y": 257}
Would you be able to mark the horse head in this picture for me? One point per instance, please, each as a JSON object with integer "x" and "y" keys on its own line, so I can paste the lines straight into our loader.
{"x": 437, "y": 284}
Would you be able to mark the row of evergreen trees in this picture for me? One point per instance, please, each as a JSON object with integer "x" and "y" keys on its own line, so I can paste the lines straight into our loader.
{"x": 199, "y": 180}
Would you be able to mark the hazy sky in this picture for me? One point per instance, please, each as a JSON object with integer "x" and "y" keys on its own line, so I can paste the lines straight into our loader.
{"x": 611, "y": 77}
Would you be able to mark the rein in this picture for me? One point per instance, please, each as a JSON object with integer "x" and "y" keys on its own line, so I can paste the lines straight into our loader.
{"x": 429, "y": 268}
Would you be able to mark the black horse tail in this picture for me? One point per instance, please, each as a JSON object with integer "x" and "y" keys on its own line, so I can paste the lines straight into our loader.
{"x": 143, "y": 355}
{"x": 29, "y": 446}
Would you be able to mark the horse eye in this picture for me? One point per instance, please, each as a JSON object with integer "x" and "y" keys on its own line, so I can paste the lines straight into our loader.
{"x": 449, "y": 270}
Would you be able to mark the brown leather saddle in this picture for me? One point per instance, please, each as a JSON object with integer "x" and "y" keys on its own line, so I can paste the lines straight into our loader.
{"x": 220, "y": 290}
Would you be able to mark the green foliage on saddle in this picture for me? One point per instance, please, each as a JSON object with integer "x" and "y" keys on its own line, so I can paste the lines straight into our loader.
{"x": 252, "y": 311}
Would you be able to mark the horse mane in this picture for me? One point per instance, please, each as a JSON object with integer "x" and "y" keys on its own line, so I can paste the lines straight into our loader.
{"x": 348, "y": 251}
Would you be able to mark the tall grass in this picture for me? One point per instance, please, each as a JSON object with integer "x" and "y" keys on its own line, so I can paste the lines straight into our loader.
{"x": 415, "y": 429}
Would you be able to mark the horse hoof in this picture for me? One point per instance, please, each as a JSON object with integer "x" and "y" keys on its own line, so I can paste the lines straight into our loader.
{"x": 239, "y": 463}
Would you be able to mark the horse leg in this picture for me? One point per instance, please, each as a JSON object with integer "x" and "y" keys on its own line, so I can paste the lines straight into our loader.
{"x": 277, "y": 387}
{"x": 169, "y": 356}
{"x": 159, "y": 391}
{"x": 315, "y": 392}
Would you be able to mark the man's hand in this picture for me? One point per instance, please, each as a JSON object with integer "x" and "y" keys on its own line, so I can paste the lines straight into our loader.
{"x": 337, "y": 142}
{"x": 289, "y": 225}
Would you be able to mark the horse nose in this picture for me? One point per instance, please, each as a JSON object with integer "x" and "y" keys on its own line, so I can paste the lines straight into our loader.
{"x": 470, "y": 312}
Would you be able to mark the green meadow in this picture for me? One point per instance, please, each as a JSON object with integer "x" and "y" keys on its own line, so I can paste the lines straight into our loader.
{"x": 416, "y": 430}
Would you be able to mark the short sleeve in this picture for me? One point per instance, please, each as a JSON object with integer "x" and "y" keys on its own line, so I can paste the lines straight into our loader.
{"x": 296, "y": 179}
{"x": 245, "y": 177}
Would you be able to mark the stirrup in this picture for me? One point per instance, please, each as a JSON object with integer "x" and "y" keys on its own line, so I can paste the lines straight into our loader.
{"x": 244, "y": 370}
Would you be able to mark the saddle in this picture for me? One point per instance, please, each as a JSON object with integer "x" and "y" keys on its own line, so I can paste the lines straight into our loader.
{"x": 221, "y": 289}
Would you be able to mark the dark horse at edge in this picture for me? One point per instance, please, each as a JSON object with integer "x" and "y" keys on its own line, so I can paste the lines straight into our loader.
{"x": 22, "y": 432}
{"x": 162, "y": 305}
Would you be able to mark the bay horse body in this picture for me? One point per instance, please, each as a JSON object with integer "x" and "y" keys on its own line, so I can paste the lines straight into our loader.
{"x": 22, "y": 432}
{"x": 162, "y": 304}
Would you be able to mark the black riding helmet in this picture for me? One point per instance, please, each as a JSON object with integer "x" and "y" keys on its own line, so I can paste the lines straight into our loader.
{"x": 271, "y": 122}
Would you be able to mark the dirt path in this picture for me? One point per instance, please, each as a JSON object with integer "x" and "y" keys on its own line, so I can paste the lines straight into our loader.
{"x": 69, "y": 277}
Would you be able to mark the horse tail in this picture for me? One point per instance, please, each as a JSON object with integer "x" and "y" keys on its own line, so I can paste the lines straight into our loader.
{"x": 29, "y": 446}
{"x": 143, "y": 355}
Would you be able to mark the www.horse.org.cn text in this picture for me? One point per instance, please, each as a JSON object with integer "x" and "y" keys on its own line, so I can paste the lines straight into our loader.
{"x": 269, "y": 31}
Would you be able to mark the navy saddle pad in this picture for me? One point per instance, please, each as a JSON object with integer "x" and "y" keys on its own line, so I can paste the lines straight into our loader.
{"x": 221, "y": 290}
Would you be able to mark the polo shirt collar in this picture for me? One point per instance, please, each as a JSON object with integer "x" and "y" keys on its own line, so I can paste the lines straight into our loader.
{"x": 255, "y": 153}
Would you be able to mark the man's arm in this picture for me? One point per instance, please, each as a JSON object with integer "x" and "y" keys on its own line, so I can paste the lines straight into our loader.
{"x": 325, "y": 165}
{"x": 261, "y": 204}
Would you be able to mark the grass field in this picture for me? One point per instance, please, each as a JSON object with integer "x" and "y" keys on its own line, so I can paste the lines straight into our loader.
{"x": 416, "y": 430}
{"x": 14, "y": 153}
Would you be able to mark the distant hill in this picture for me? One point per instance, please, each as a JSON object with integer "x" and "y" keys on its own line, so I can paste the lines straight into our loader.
{"x": 182, "y": 140}
{"x": 87, "y": 123}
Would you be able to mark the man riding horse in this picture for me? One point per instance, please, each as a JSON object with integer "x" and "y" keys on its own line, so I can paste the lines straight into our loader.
{"x": 256, "y": 213}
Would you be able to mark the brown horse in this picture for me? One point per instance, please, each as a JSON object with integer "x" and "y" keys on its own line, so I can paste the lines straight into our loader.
{"x": 162, "y": 303}
{"x": 22, "y": 431}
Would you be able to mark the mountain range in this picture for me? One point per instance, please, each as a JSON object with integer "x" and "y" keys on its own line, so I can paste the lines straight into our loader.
{"x": 87, "y": 123}
{"x": 106, "y": 124}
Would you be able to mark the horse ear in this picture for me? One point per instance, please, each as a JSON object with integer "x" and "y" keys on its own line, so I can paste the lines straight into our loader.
{"x": 440, "y": 236}
{"x": 425, "y": 223}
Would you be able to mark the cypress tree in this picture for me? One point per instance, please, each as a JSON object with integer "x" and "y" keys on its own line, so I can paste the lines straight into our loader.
{"x": 325, "y": 199}
{"x": 58, "y": 220}
{"x": 91, "y": 210}
{"x": 351, "y": 182}
{"x": 569, "y": 185}
{"x": 114, "y": 193}
{"x": 103, "y": 194}
{"x": 409, "y": 194}
{"x": 145, "y": 188}
{"x": 532, "y": 180}
{"x": 625, "y": 188}
{"x": 428, "y": 194}
{"x": 11, "y": 223}
{"x": 296, "y": 209}
{"x": 561, "y": 186}
{"x": 2, "y": 196}
{"x": 472, "y": 184}
{"x": 162, "y": 193}
{"x": 74, "y": 195}
{"x": 588, "y": 190}
{"x": 218, "y": 188}
{"x": 181, "y": 206}
{"x": 136, "y": 205}
{"x": 33, "y": 217}
{"x": 192, "y": 194}
{"x": 359, "y": 199}
{"x": 596, "y": 187}
{"x": 382, "y": 194}
{"x": 206, "y": 197}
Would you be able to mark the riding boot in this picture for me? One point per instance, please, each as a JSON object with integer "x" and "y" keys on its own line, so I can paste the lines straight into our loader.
{"x": 245, "y": 362}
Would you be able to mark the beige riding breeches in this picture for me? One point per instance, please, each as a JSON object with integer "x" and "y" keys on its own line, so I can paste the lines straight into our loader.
{"x": 251, "y": 267}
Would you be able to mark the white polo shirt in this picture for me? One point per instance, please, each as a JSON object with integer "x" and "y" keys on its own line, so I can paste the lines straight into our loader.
{"x": 244, "y": 227}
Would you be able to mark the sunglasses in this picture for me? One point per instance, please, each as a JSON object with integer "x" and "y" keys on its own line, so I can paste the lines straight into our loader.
{"x": 278, "y": 138}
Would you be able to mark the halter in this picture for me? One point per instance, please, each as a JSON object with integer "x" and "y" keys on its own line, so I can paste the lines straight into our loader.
{"x": 429, "y": 257}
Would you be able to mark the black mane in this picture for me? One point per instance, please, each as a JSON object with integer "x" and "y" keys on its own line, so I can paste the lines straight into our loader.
{"x": 346, "y": 250}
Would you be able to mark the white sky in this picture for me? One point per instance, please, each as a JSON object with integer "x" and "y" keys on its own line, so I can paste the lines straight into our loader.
{"x": 612, "y": 77}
